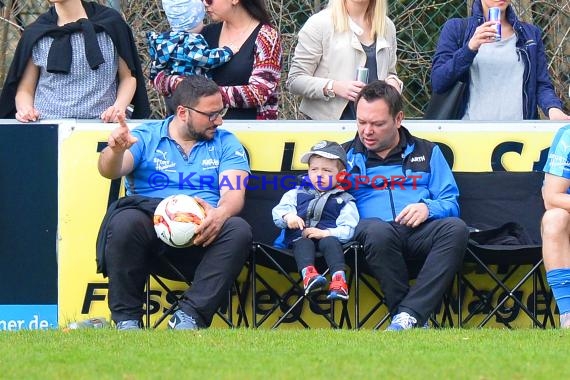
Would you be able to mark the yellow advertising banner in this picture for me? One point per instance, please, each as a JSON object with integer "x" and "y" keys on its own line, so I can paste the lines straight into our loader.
{"x": 472, "y": 146}
{"x": 272, "y": 146}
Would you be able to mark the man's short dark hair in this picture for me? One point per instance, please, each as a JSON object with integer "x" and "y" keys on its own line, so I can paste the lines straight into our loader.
{"x": 191, "y": 89}
{"x": 381, "y": 90}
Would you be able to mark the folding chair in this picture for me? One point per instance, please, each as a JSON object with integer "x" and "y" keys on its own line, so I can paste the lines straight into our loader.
{"x": 491, "y": 200}
{"x": 290, "y": 301}
{"x": 378, "y": 311}
{"x": 272, "y": 268}
{"x": 378, "y": 308}
{"x": 173, "y": 297}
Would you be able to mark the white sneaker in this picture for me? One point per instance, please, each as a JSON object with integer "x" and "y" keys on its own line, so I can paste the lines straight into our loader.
{"x": 182, "y": 321}
{"x": 565, "y": 321}
{"x": 130, "y": 324}
{"x": 402, "y": 321}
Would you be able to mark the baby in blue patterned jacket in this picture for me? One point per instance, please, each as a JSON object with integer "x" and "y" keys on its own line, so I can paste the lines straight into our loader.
{"x": 183, "y": 50}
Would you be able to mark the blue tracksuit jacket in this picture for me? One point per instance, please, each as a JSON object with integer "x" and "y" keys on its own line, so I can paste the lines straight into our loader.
{"x": 417, "y": 172}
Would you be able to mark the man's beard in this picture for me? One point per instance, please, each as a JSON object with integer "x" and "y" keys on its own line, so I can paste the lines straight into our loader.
{"x": 196, "y": 136}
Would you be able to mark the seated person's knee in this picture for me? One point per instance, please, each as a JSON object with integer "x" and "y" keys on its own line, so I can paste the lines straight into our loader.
{"x": 239, "y": 227}
{"x": 129, "y": 220}
{"x": 555, "y": 221}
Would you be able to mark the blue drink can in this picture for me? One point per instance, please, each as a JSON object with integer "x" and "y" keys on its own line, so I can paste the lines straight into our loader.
{"x": 495, "y": 15}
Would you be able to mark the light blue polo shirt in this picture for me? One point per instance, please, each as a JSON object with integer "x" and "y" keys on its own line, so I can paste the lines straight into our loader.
{"x": 558, "y": 160}
{"x": 161, "y": 168}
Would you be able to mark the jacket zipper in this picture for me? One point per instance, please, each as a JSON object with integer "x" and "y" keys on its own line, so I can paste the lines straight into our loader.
{"x": 524, "y": 54}
{"x": 311, "y": 211}
{"x": 392, "y": 203}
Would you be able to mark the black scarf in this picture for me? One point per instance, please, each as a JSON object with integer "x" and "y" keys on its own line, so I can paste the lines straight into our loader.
{"x": 59, "y": 56}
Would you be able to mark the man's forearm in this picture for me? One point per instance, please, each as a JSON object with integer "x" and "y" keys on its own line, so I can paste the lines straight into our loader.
{"x": 557, "y": 200}
{"x": 111, "y": 163}
{"x": 231, "y": 202}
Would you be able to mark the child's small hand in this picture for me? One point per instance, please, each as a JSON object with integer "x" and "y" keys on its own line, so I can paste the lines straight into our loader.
{"x": 294, "y": 222}
{"x": 315, "y": 233}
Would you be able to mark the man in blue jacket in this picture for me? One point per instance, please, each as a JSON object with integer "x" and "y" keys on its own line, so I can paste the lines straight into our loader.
{"x": 407, "y": 199}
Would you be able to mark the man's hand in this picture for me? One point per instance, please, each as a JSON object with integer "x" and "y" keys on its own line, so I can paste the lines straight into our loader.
{"x": 294, "y": 222}
{"x": 413, "y": 215}
{"x": 315, "y": 233}
{"x": 121, "y": 138}
{"x": 210, "y": 227}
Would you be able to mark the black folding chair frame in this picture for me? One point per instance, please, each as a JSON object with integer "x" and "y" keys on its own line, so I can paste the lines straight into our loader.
{"x": 271, "y": 256}
{"x": 225, "y": 313}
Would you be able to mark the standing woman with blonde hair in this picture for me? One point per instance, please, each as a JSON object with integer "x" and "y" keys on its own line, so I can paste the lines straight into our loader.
{"x": 332, "y": 44}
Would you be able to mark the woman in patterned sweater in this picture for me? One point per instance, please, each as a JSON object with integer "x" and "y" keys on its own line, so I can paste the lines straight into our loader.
{"x": 249, "y": 81}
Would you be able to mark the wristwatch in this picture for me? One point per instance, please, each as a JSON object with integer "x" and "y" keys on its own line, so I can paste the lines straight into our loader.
{"x": 329, "y": 89}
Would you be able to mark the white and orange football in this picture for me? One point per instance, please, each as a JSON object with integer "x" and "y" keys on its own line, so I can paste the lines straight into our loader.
{"x": 176, "y": 218}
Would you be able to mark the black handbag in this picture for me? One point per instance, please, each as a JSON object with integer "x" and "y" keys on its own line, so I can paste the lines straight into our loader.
{"x": 445, "y": 106}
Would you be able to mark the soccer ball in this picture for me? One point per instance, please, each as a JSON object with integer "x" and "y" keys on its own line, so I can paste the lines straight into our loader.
{"x": 176, "y": 218}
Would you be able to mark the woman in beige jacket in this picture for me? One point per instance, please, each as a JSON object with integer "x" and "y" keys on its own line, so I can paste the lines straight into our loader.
{"x": 332, "y": 44}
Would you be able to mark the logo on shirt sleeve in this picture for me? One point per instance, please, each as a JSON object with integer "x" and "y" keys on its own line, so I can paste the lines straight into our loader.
{"x": 241, "y": 153}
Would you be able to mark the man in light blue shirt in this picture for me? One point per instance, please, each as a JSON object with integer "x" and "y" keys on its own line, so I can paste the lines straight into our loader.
{"x": 164, "y": 167}
{"x": 184, "y": 154}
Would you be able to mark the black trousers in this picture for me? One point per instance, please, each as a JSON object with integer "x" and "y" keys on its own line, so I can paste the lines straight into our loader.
{"x": 389, "y": 248}
{"x": 132, "y": 252}
{"x": 305, "y": 252}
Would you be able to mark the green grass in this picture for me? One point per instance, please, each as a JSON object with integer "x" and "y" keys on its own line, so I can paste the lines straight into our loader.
{"x": 285, "y": 354}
